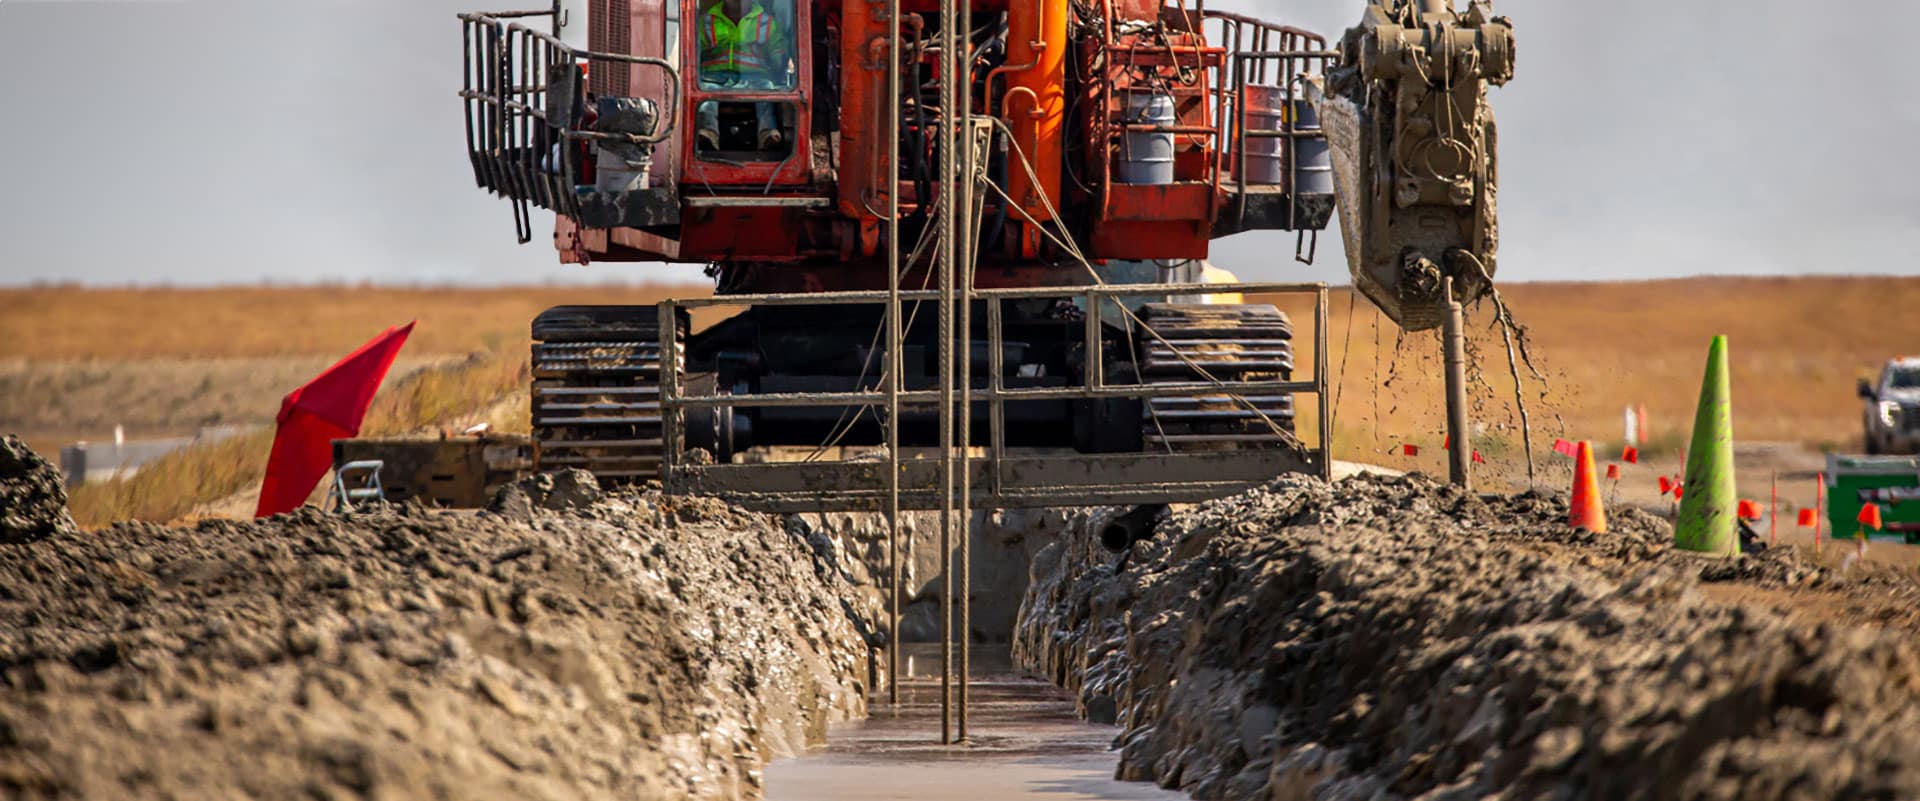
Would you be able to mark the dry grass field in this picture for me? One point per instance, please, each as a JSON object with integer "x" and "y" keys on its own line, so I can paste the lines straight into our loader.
{"x": 166, "y": 362}
{"x": 74, "y": 361}
{"x": 62, "y": 401}
{"x": 1796, "y": 346}
{"x": 46, "y": 324}
{"x": 450, "y": 394}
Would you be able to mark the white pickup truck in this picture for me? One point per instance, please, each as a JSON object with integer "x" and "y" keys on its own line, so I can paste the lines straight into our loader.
{"x": 1891, "y": 419}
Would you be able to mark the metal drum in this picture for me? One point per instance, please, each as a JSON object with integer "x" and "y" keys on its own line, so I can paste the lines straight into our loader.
{"x": 1146, "y": 157}
{"x": 1267, "y": 155}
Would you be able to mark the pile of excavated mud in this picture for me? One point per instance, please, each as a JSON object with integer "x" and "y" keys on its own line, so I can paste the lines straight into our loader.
{"x": 1392, "y": 638}
{"x": 33, "y": 495}
{"x": 622, "y": 647}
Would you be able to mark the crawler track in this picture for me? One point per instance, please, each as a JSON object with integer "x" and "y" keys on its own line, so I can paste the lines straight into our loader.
{"x": 596, "y": 390}
{"x": 1228, "y": 343}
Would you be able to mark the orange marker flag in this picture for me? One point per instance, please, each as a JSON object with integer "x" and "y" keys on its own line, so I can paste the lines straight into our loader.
{"x": 1478, "y": 459}
{"x": 1666, "y": 485}
{"x": 1806, "y": 518}
{"x": 1749, "y": 510}
{"x": 1630, "y": 455}
{"x": 1870, "y": 516}
{"x": 1613, "y": 472}
{"x": 1677, "y": 489}
{"x": 1410, "y": 450}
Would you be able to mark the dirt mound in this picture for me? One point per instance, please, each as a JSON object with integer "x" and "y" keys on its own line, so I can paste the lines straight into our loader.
{"x": 33, "y": 495}
{"x": 1394, "y": 638}
{"x": 569, "y": 489}
{"x": 413, "y": 653}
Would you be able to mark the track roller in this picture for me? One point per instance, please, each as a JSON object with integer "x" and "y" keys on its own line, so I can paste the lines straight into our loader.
{"x": 1228, "y": 343}
{"x": 596, "y": 390}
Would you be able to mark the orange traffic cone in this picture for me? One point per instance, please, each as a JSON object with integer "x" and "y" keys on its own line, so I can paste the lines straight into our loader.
{"x": 1587, "y": 510}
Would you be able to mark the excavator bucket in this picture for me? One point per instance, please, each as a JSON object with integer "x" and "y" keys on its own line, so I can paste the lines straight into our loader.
{"x": 1413, "y": 141}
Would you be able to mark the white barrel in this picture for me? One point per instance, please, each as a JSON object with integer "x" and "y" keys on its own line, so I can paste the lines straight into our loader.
{"x": 1267, "y": 110}
{"x": 1146, "y": 157}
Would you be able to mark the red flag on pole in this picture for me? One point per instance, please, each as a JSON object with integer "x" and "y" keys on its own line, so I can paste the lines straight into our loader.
{"x": 1666, "y": 485}
{"x": 1748, "y": 510}
{"x": 329, "y": 407}
{"x": 1410, "y": 450}
{"x": 1630, "y": 455}
{"x": 1806, "y": 518}
{"x": 1613, "y": 472}
{"x": 1870, "y": 516}
{"x": 1565, "y": 448}
{"x": 1478, "y": 459}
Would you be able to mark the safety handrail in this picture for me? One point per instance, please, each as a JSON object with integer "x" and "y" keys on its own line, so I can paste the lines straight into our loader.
{"x": 1249, "y": 45}
{"x": 514, "y": 122}
{"x": 573, "y": 56}
{"x": 1107, "y": 133}
{"x": 995, "y": 393}
{"x": 1252, "y": 44}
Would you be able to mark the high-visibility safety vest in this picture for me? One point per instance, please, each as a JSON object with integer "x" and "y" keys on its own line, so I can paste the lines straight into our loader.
{"x": 745, "y": 47}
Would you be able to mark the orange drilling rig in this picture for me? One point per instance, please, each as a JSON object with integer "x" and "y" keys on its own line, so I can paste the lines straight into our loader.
{"x": 1057, "y": 168}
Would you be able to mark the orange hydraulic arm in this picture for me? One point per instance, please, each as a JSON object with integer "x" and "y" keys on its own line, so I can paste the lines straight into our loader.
{"x": 1034, "y": 107}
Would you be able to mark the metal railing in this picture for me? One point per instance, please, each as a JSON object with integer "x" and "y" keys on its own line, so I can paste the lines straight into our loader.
{"x": 524, "y": 98}
{"x": 1237, "y": 51}
{"x": 1259, "y": 52}
{"x": 1110, "y": 129}
{"x": 1006, "y": 480}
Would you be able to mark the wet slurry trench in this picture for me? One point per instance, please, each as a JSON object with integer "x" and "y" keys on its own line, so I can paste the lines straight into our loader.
{"x": 1025, "y": 742}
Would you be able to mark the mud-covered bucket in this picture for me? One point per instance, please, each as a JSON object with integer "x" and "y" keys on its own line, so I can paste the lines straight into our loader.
{"x": 1146, "y": 157}
{"x": 1267, "y": 110}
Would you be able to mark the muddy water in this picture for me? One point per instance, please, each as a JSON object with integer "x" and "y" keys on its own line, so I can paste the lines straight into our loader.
{"x": 1025, "y": 743}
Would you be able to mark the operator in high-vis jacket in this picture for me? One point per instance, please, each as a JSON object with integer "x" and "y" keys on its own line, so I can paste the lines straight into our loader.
{"x": 742, "y": 46}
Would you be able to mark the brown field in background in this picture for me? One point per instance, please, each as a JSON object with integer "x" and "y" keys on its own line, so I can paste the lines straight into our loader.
{"x": 223, "y": 478}
{"x": 75, "y": 324}
{"x": 167, "y": 362}
{"x": 1797, "y": 345}
{"x": 57, "y": 402}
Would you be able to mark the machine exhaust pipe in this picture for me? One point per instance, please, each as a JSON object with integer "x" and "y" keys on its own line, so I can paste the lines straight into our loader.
{"x": 1131, "y": 526}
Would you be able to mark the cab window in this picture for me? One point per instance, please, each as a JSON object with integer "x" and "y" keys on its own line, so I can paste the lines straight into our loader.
{"x": 745, "y": 45}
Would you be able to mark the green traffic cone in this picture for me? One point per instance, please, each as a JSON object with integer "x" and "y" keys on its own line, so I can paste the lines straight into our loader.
{"x": 1706, "y": 522}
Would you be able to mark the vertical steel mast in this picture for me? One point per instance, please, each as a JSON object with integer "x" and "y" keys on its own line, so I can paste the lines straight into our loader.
{"x": 946, "y": 141}
{"x": 963, "y": 250}
{"x": 895, "y": 363}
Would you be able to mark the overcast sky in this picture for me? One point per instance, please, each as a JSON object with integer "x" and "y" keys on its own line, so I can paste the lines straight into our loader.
{"x": 196, "y": 142}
